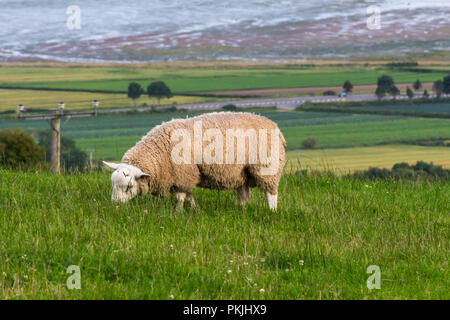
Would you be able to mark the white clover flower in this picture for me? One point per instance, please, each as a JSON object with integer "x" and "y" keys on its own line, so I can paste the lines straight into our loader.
{"x": 229, "y": 271}
{"x": 301, "y": 262}
{"x": 262, "y": 291}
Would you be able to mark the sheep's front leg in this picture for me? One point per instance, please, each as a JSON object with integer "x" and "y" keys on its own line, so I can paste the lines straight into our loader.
{"x": 272, "y": 201}
{"x": 180, "y": 196}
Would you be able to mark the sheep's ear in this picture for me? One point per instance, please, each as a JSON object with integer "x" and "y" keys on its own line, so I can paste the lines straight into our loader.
{"x": 113, "y": 166}
{"x": 141, "y": 174}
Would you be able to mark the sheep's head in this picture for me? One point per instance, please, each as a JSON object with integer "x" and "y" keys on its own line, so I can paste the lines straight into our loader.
{"x": 126, "y": 181}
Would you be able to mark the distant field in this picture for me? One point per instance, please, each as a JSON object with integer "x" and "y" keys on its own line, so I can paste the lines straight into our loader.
{"x": 345, "y": 160}
{"x": 201, "y": 79}
{"x": 110, "y": 136}
{"x": 9, "y": 99}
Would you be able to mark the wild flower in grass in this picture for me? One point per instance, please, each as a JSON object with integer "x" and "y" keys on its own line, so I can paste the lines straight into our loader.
{"x": 229, "y": 271}
{"x": 231, "y": 261}
{"x": 24, "y": 257}
{"x": 171, "y": 297}
{"x": 25, "y": 276}
{"x": 245, "y": 263}
{"x": 4, "y": 273}
{"x": 261, "y": 291}
{"x": 171, "y": 246}
{"x": 263, "y": 259}
{"x": 301, "y": 262}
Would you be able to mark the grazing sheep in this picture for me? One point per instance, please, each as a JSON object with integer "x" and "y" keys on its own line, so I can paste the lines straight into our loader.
{"x": 222, "y": 151}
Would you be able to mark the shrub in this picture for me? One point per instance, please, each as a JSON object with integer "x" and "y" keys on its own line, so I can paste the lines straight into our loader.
{"x": 229, "y": 107}
{"x": 309, "y": 143}
{"x": 404, "y": 171}
{"x": 348, "y": 86}
{"x": 18, "y": 149}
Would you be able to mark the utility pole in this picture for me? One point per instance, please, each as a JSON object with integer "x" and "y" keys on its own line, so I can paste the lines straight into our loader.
{"x": 55, "y": 129}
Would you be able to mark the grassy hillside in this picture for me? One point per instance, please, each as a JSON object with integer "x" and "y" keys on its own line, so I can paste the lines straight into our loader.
{"x": 318, "y": 245}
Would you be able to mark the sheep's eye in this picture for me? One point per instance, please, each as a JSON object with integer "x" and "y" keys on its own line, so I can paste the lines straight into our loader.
{"x": 129, "y": 186}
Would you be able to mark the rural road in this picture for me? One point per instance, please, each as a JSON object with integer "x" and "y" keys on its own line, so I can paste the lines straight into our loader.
{"x": 283, "y": 103}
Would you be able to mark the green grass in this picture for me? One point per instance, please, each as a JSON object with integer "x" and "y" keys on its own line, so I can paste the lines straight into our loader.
{"x": 147, "y": 250}
{"x": 201, "y": 79}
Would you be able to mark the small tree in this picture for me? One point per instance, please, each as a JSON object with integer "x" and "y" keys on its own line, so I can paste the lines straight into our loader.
{"x": 309, "y": 143}
{"x": 159, "y": 90}
{"x": 135, "y": 91}
{"x": 446, "y": 83}
{"x": 394, "y": 91}
{"x": 18, "y": 149}
{"x": 426, "y": 95}
{"x": 385, "y": 81}
{"x": 438, "y": 88}
{"x": 348, "y": 86}
{"x": 417, "y": 85}
{"x": 385, "y": 85}
{"x": 409, "y": 93}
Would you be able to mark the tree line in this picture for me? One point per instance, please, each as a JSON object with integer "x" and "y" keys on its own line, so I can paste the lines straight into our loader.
{"x": 386, "y": 86}
{"x": 156, "y": 90}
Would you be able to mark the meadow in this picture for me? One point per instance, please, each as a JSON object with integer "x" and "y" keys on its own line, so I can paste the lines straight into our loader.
{"x": 206, "y": 78}
{"x": 318, "y": 245}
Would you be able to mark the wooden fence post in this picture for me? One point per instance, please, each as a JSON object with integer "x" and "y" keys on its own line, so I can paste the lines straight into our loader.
{"x": 55, "y": 141}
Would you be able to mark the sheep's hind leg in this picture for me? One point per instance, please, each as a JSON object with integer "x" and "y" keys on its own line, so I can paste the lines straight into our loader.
{"x": 272, "y": 200}
{"x": 243, "y": 195}
{"x": 190, "y": 198}
{"x": 180, "y": 196}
